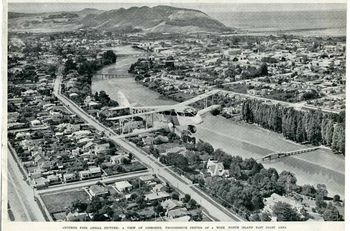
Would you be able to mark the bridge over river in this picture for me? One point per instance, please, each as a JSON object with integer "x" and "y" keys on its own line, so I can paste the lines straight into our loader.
{"x": 278, "y": 155}
{"x": 111, "y": 76}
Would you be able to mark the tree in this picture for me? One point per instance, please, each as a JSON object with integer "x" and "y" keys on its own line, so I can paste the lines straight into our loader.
{"x": 285, "y": 212}
{"x": 159, "y": 209}
{"x": 80, "y": 206}
{"x": 320, "y": 203}
{"x": 287, "y": 180}
{"x": 193, "y": 204}
{"x": 205, "y": 147}
{"x": 175, "y": 195}
{"x": 263, "y": 70}
{"x": 322, "y": 190}
{"x": 187, "y": 198}
{"x": 125, "y": 161}
{"x": 308, "y": 190}
{"x": 257, "y": 201}
{"x": 338, "y": 141}
{"x": 331, "y": 213}
{"x": 235, "y": 171}
{"x": 94, "y": 205}
{"x": 254, "y": 217}
{"x": 265, "y": 216}
{"x": 140, "y": 201}
{"x": 108, "y": 57}
{"x": 336, "y": 198}
{"x": 168, "y": 188}
{"x": 69, "y": 65}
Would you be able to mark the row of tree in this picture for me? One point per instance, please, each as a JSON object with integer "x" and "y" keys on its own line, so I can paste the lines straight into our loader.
{"x": 305, "y": 126}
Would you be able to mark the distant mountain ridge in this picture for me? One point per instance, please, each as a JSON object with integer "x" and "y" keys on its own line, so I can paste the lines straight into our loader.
{"x": 149, "y": 19}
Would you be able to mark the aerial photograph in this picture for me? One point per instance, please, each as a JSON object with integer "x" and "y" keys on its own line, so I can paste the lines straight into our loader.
{"x": 175, "y": 112}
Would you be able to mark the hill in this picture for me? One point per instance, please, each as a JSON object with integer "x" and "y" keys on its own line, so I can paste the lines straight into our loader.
{"x": 155, "y": 19}
{"x": 148, "y": 19}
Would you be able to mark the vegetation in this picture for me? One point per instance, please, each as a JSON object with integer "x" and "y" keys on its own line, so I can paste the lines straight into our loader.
{"x": 309, "y": 126}
{"x": 82, "y": 70}
{"x": 284, "y": 212}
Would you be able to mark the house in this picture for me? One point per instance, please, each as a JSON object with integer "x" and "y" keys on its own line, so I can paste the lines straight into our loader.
{"x": 157, "y": 188}
{"x": 171, "y": 204}
{"x": 76, "y": 216}
{"x": 81, "y": 133}
{"x": 73, "y": 95}
{"x": 98, "y": 190}
{"x": 161, "y": 196}
{"x": 216, "y": 169}
{"x": 35, "y": 123}
{"x": 116, "y": 159}
{"x": 90, "y": 173}
{"x": 40, "y": 183}
{"x": 101, "y": 148}
{"x": 88, "y": 146}
{"x": 147, "y": 213}
{"x": 274, "y": 198}
{"x": 180, "y": 219}
{"x": 147, "y": 178}
{"x": 94, "y": 105}
{"x": 123, "y": 186}
{"x": 69, "y": 177}
{"x": 180, "y": 212}
{"x": 53, "y": 179}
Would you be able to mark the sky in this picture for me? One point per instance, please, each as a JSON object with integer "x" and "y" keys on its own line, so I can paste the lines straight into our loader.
{"x": 204, "y": 5}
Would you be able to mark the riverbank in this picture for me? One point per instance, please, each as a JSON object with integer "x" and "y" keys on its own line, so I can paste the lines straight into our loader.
{"x": 236, "y": 138}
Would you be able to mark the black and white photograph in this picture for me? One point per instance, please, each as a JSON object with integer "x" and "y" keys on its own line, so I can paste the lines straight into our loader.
{"x": 174, "y": 111}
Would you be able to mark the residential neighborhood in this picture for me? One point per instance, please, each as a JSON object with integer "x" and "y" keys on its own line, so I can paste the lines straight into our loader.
{"x": 206, "y": 123}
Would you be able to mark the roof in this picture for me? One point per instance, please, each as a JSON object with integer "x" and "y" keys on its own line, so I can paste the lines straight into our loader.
{"x": 146, "y": 212}
{"x": 121, "y": 185}
{"x": 157, "y": 188}
{"x": 98, "y": 189}
{"x": 75, "y": 216}
{"x": 156, "y": 196}
{"x": 95, "y": 169}
{"x": 181, "y": 219}
{"x": 180, "y": 212}
{"x": 171, "y": 204}
{"x": 69, "y": 175}
{"x": 147, "y": 178}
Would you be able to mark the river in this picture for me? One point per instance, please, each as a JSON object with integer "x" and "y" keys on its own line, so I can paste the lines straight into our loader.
{"x": 236, "y": 138}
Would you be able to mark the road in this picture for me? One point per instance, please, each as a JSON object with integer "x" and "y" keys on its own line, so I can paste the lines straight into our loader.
{"x": 28, "y": 129}
{"x": 297, "y": 106}
{"x": 21, "y": 195}
{"x": 84, "y": 183}
{"x": 214, "y": 209}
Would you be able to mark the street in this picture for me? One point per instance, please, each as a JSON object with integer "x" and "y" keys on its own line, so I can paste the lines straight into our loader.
{"x": 214, "y": 209}
{"x": 87, "y": 183}
{"x": 21, "y": 195}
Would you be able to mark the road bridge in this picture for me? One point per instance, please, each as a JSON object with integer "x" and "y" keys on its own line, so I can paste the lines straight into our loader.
{"x": 279, "y": 155}
{"x": 157, "y": 116}
{"x": 214, "y": 209}
{"x": 111, "y": 76}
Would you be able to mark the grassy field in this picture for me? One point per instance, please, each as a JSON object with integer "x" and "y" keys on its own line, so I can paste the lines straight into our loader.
{"x": 59, "y": 201}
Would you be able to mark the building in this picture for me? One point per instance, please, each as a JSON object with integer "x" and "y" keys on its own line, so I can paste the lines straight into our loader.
{"x": 98, "y": 190}
{"x": 90, "y": 173}
{"x": 216, "y": 169}
{"x": 160, "y": 196}
{"x": 69, "y": 177}
{"x": 123, "y": 186}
